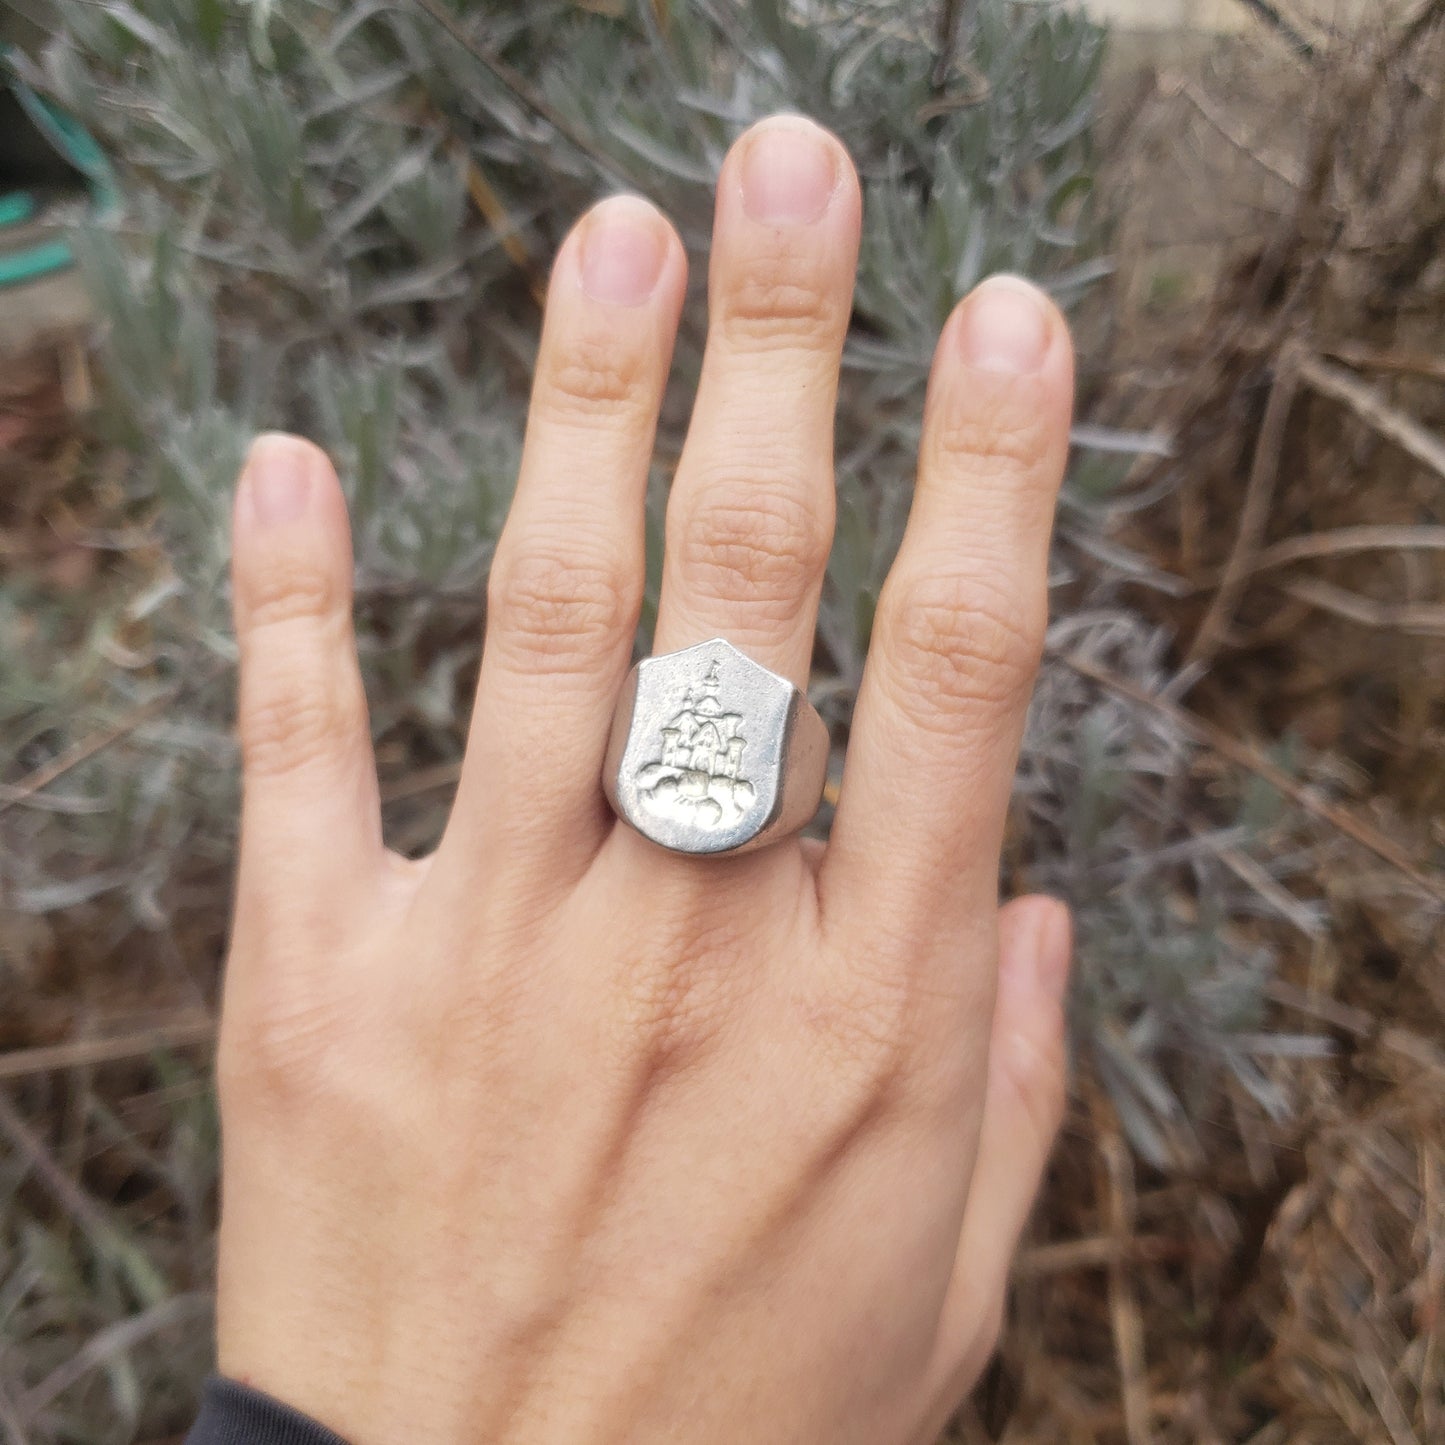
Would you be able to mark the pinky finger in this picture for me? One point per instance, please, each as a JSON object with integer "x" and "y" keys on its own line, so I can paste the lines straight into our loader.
{"x": 311, "y": 824}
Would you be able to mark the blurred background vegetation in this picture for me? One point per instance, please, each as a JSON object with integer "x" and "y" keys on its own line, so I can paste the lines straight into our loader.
{"x": 336, "y": 218}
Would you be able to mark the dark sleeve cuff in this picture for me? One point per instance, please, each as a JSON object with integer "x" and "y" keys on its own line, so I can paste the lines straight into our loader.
{"x": 235, "y": 1414}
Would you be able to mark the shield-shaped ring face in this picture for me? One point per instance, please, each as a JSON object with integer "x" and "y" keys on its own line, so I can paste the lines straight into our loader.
{"x": 699, "y": 745}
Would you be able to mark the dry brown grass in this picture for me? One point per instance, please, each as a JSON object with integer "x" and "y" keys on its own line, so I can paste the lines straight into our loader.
{"x": 1281, "y": 310}
{"x": 1290, "y": 1288}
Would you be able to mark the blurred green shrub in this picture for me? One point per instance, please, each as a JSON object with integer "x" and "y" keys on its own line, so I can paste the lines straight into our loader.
{"x": 338, "y": 215}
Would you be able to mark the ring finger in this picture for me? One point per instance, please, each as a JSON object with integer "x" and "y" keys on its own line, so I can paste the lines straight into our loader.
{"x": 567, "y": 577}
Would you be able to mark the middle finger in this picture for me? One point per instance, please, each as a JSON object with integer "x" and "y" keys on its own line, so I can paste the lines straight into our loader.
{"x": 750, "y": 518}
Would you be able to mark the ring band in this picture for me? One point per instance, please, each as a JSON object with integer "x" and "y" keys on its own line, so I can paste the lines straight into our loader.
{"x": 712, "y": 753}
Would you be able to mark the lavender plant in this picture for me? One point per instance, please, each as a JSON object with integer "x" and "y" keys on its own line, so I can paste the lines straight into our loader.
{"x": 337, "y": 217}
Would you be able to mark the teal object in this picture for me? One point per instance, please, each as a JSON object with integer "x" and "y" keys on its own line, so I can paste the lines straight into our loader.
{"x": 16, "y": 208}
{"x": 72, "y": 142}
{"x": 34, "y": 262}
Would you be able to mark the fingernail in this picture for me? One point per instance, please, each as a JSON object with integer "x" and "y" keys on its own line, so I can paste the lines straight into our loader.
{"x": 1005, "y": 326}
{"x": 623, "y": 247}
{"x": 789, "y": 172}
{"x": 1054, "y": 947}
{"x": 277, "y": 478}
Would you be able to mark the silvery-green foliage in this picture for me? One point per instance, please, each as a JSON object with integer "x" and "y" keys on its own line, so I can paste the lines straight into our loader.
{"x": 311, "y": 241}
{"x": 301, "y": 249}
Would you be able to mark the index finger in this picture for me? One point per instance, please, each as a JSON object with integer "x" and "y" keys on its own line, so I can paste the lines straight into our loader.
{"x": 960, "y": 624}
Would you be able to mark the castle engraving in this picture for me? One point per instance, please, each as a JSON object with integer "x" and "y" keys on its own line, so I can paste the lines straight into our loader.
{"x": 698, "y": 776}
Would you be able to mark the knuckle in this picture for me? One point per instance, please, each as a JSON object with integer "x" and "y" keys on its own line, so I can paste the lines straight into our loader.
{"x": 1006, "y": 439}
{"x": 781, "y": 299}
{"x": 960, "y": 640}
{"x": 748, "y": 541}
{"x": 557, "y": 609}
{"x": 864, "y": 1035}
{"x": 291, "y": 723}
{"x": 293, "y": 590}
{"x": 684, "y": 986}
{"x": 681, "y": 1011}
{"x": 594, "y": 375}
{"x": 289, "y": 1052}
{"x": 1036, "y": 1068}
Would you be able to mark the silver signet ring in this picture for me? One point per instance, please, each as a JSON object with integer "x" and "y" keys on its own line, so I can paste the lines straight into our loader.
{"x": 712, "y": 753}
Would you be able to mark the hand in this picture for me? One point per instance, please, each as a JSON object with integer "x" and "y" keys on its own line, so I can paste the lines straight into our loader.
{"x": 555, "y": 1136}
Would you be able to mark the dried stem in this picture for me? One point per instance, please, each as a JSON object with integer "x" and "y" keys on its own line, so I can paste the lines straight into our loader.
{"x": 1370, "y": 405}
{"x": 1205, "y": 733}
{"x": 1420, "y": 619}
{"x": 187, "y": 1031}
{"x": 1254, "y": 516}
{"x": 1116, "y": 1190}
{"x": 522, "y": 89}
{"x": 113, "y": 1340}
{"x": 1285, "y": 29}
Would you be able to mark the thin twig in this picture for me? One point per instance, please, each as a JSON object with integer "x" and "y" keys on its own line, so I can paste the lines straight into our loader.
{"x": 1206, "y": 734}
{"x": 522, "y": 89}
{"x": 1417, "y": 619}
{"x": 1371, "y": 406}
{"x": 1279, "y": 167}
{"x": 1254, "y": 515}
{"x": 182, "y": 1033}
{"x": 493, "y": 210}
{"x": 489, "y": 203}
{"x": 1311, "y": 546}
{"x": 951, "y": 16}
{"x": 1369, "y": 1352}
{"x": 1097, "y": 1252}
{"x": 1430, "y": 14}
{"x": 1116, "y": 1189}
{"x": 423, "y": 780}
{"x": 87, "y": 747}
{"x": 1265, "y": 11}
{"x": 1344, "y": 541}
{"x": 69, "y": 1195}
{"x": 113, "y": 1340}
{"x": 12, "y": 795}
{"x": 1294, "y": 911}
{"x": 1361, "y": 1024}
{"x": 1400, "y": 363}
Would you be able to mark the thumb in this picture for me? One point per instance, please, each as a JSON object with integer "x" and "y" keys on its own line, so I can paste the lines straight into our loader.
{"x": 1023, "y": 1107}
